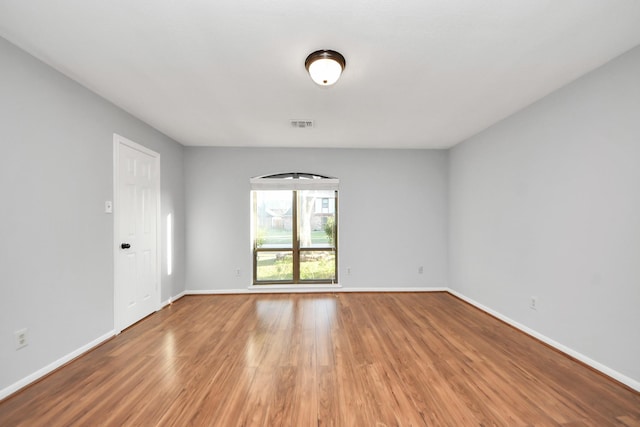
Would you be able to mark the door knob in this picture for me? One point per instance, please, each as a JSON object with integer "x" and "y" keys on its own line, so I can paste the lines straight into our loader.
{"x": 125, "y": 246}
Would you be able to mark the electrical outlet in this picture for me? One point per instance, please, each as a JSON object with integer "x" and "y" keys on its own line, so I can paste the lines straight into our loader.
{"x": 533, "y": 303}
{"x": 21, "y": 338}
{"x": 348, "y": 271}
{"x": 420, "y": 270}
{"x": 238, "y": 272}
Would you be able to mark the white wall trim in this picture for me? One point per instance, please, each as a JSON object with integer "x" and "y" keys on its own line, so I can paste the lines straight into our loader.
{"x": 277, "y": 289}
{"x": 171, "y": 300}
{"x": 564, "y": 349}
{"x": 270, "y": 289}
{"x": 53, "y": 366}
{"x": 400, "y": 289}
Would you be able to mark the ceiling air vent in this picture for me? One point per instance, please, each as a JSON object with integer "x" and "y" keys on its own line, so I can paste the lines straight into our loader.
{"x": 301, "y": 124}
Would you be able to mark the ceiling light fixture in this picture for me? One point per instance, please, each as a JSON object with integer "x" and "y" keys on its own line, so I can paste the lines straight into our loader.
{"x": 325, "y": 66}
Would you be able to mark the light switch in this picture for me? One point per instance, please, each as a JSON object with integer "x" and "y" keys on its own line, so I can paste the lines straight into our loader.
{"x": 108, "y": 206}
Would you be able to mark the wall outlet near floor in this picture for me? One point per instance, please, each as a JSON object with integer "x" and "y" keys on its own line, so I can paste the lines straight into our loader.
{"x": 533, "y": 303}
{"x": 237, "y": 272}
{"x": 420, "y": 270}
{"x": 348, "y": 271}
{"x": 21, "y": 338}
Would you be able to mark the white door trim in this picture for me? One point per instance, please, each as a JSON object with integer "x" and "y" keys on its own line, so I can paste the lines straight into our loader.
{"x": 118, "y": 141}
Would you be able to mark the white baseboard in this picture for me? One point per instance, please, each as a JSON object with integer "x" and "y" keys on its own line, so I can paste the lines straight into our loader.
{"x": 564, "y": 349}
{"x": 171, "y": 300}
{"x": 277, "y": 289}
{"x": 53, "y": 366}
{"x": 401, "y": 289}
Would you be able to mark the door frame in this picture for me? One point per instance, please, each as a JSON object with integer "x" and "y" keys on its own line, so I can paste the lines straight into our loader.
{"x": 119, "y": 141}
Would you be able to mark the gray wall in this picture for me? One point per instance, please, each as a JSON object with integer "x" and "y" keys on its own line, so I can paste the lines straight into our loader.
{"x": 56, "y": 242}
{"x": 547, "y": 204}
{"x": 392, "y": 213}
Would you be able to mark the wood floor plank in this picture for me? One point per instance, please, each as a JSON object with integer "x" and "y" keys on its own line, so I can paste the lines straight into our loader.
{"x": 381, "y": 359}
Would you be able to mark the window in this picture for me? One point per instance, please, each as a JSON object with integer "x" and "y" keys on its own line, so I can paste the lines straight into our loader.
{"x": 294, "y": 229}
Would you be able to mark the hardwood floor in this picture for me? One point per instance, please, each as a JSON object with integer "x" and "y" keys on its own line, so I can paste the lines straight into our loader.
{"x": 391, "y": 359}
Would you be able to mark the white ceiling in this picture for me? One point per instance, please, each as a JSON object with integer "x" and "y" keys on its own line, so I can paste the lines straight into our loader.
{"x": 419, "y": 74}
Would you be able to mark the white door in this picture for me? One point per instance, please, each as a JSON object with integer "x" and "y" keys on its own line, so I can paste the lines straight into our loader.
{"x": 136, "y": 208}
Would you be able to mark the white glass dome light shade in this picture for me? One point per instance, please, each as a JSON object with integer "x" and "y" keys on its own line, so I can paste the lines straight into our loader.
{"x": 325, "y": 66}
{"x": 325, "y": 72}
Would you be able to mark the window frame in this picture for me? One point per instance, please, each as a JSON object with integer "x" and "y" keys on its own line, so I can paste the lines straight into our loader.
{"x": 296, "y": 249}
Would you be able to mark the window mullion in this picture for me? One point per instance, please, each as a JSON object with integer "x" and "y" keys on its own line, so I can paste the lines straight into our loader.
{"x": 296, "y": 240}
